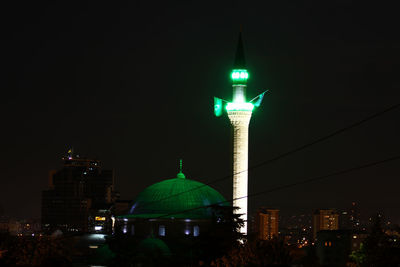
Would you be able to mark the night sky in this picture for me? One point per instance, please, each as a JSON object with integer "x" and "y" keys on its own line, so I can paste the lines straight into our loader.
{"x": 133, "y": 85}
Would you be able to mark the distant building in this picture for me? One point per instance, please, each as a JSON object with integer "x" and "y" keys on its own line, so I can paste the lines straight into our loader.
{"x": 121, "y": 207}
{"x": 296, "y": 229}
{"x": 15, "y": 227}
{"x": 10, "y": 226}
{"x": 267, "y": 223}
{"x": 357, "y": 238}
{"x": 325, "y": 219}
{"x": 333, "y": 247}
{"x": 30, "y": 227}
{"x": 4, "y": 228}
{"x": 350, "y": 218}
{"x": 78, "y": 193}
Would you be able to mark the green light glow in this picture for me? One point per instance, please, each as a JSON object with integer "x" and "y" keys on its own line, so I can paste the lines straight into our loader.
{"x": 239, "y": 107}
{"x": 218, "y": 106}
{"x": 176, "y": 195}
{"x": 239, "y": 75}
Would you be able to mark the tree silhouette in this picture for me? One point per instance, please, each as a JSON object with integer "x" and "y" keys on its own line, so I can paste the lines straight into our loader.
{"x": 377, "y": 249}
{"x": 222, "y": 236}
{"x": 257, "y": 253}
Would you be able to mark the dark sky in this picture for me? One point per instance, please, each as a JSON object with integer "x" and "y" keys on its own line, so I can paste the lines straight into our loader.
{"x": 133, "y": 85}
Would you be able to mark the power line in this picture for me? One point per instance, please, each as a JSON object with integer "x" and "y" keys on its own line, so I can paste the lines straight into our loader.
{"x": 316, "y": 141}
{"x": 305, "y": 181}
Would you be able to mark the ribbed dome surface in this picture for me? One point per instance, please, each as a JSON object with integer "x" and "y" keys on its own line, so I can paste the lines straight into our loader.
{"x": 177, "y": 198}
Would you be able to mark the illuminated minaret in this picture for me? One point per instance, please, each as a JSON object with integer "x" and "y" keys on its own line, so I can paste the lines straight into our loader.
{"x": 239, "y": 113}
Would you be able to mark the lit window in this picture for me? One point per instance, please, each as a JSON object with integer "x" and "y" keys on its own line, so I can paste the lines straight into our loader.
{"x": 161, "y": 230}
{"x": 124, "y": 229}
{"x": 98, "y": 228}
{"x": 196, "y": 230}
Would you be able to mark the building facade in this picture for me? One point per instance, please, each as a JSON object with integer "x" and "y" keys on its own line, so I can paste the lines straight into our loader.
{"x": 267, "y": 223}
{"x": 350, "y": 218}
{"x": 77, "y": 192}
{"x": 325, "y": 219}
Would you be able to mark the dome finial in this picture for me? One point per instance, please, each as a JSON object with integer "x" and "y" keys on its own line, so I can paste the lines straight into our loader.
{"x": 180, "y": 174}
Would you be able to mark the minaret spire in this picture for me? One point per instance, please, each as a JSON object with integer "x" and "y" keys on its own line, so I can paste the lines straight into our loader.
{"x": 239, "y": 74}
{"x": 240, "y": 62}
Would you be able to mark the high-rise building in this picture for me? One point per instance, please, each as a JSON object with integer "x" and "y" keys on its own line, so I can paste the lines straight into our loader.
{"x": 267, "y": 223}
{"x": 239, "y": 113}
{"x": 78, "y": 191}
{"x": 350, "y": 218}
{"x": 325, "y": 219}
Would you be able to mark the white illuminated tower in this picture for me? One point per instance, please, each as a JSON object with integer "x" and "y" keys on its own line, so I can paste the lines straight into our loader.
{"x": 239, "y": 113}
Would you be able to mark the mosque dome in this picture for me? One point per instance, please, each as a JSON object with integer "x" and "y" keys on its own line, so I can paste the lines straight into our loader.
{"x": 169, "y": 198}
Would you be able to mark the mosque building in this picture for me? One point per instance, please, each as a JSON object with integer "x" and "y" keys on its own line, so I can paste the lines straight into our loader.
{"x": 177, "y": 207}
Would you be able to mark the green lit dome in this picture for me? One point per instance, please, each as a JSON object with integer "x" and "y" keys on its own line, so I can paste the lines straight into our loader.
{"x": 170, "y": 197}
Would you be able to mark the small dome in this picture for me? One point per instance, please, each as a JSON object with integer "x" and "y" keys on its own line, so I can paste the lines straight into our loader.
{"x": 173, "y": 196}
{"x": 150, "y": 245}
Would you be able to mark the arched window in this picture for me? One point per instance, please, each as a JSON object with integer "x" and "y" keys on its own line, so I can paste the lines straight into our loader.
{"x": 161, "y": 230}
{"x": 196, "y": 230}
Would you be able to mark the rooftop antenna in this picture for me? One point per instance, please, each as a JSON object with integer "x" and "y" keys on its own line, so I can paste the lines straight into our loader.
{"x": 70, "y": 153}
